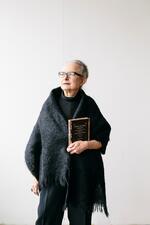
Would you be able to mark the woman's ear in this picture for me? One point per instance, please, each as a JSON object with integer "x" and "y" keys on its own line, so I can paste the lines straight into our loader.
{"x": 83, "y": 81}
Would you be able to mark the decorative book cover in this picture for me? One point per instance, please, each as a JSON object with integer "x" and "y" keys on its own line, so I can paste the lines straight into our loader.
{"x": 78, "y": 129}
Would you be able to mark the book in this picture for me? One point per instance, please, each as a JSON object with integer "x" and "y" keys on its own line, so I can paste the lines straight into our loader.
{"x": 78, "y": 129}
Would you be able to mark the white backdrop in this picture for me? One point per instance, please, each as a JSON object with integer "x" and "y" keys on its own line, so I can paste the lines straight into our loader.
{"x": 113, "y": 38}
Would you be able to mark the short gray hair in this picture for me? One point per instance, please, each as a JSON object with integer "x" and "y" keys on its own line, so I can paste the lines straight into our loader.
{"x": 83, "y": 67}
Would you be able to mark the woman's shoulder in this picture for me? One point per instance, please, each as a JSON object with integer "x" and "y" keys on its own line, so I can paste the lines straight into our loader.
{"x": 91, "y": 101}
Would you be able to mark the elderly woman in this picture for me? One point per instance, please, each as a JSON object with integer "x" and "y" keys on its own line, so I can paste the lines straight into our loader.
{"x": 71, "y": 176}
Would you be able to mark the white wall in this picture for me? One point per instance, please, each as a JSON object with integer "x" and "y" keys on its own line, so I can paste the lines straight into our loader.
{"x": 113, "y": 39}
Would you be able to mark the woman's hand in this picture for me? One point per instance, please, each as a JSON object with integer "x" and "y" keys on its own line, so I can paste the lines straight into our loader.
{"x": 77, "y": 147}
{"x": 35, "y": 187}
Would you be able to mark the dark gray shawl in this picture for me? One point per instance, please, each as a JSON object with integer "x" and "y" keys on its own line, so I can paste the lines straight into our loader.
{"x": 46, "y": 156}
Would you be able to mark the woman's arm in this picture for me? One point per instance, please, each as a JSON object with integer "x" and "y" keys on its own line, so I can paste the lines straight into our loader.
{"x": 93, "y": 144}
{"x": 79, "y": 146}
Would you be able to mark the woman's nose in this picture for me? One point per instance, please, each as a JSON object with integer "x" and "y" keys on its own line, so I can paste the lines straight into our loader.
{"x": 66, "y": 77}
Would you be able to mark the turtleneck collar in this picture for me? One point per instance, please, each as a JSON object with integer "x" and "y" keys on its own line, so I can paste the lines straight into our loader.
{"x": 73, "y": 98}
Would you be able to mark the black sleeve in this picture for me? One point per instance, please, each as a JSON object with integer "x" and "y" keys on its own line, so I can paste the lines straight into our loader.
{"x": 33, "y": 150}
{"x": 103, "y": 134}
{"x": 100, "y": 127}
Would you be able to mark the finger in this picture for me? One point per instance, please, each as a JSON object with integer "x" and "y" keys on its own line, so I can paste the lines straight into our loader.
{"x": 71, "y": 149}
{"x": 71, "y": 145}
{"x": 35, "y": 189}
{"x": 36, "y": 192}
{"x": 73, "y": 152}
{"x": 74, "y": 144}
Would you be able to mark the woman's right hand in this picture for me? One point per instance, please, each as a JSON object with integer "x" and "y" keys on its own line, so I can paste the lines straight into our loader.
{"x": 35, "y": 187}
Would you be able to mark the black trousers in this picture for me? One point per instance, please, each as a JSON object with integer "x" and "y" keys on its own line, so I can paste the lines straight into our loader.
{"x": 50, "y": 209}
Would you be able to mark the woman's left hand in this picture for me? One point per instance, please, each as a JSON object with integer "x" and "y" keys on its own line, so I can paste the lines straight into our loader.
{"x": 77, "y": 147}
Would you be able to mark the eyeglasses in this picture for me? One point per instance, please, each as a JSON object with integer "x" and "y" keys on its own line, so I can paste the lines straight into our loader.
{"x": 69, "y": 74}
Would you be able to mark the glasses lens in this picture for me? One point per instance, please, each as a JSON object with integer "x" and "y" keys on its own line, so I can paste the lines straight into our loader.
{"x": 71, "y": 73}
{"x": 61, "y": 74}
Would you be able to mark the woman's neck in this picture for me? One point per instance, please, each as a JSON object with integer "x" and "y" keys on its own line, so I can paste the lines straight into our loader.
{"x": 70, "y": 93}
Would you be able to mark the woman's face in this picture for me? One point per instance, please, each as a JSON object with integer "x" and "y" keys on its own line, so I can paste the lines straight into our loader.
{"x": 72, "y": 83}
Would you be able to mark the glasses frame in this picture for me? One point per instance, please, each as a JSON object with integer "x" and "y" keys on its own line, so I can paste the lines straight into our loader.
{"x": 69, "y": 74}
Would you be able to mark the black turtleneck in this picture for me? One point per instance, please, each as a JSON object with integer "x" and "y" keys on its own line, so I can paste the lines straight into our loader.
{"x": 68, "y": 105}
